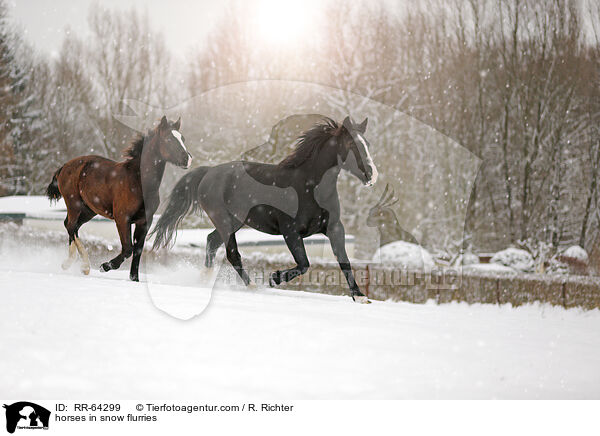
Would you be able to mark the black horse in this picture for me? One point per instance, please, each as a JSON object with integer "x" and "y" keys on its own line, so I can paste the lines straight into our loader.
{"x": 296, "y": 198}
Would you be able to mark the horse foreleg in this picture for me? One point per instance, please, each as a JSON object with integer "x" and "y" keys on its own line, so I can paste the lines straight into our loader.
{"x": 85, "y": 267}
{"x": 124, "y": 228}
{"x": 337, "y": 239}
{"x": 296, "y": 246}
{"x": 139, "y": 237}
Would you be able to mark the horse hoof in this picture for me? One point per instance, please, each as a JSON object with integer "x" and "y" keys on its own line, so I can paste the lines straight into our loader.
{"x": 274, "y": 279}
{"x": 134, "y": 278}
{"x": 85, "y": 270}
{"x": 105, "y": 267}
{"x": 252, "y": 285}
{"x": 361, "y": 299}
{"x": 66, "y": 265}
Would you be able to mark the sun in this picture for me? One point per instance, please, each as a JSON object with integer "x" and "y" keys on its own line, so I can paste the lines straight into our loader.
{"x": 284, "y": 22}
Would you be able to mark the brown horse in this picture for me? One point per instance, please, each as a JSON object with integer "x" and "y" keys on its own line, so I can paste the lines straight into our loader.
{"x": 126, "y": 192}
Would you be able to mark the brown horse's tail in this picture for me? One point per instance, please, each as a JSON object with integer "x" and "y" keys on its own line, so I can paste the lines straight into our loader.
{"x": 52, "y": 191}
{"x": 183, "y": 200}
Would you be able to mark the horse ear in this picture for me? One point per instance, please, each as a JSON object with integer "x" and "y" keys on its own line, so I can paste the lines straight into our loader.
{"x": 362, "y": 127}
{"x": 163, "y": 123}
{"x": 347, "y": 123}
{"x": 177, "y": 124}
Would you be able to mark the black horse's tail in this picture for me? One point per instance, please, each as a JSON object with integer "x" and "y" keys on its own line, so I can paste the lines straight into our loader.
{"x": 52, "y": 191}
{"x": 183, "y": 200}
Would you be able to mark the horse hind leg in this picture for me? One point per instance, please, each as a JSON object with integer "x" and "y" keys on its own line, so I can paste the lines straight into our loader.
{"x": 235, "y": 259}
{"x": 86, "y": 215}
{"x": 226, "y": 225}
{"x": 213, "y": 242}
{"x": 72, "y": 255}
{"x": 70, "y": 224}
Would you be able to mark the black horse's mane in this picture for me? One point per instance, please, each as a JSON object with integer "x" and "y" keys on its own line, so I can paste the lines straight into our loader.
{"x": 310, "y": 142}
{"x": 134, "y": 150}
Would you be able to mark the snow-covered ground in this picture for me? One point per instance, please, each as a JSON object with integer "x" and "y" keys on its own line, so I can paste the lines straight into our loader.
{"x": 65, "y": 335}
{"x": 33, "y": 204}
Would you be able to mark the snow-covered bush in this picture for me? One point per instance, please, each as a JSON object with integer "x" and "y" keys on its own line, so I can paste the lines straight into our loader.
{"x": 574, "y": 260}
{"x": 515, "y": 258}
{"x": 406, "y": 255}
{"x": 467, "y": 258}
{"x": 576, "y": 252}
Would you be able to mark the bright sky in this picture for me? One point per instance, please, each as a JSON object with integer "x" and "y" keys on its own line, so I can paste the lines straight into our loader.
{"x": 184, "y": 23}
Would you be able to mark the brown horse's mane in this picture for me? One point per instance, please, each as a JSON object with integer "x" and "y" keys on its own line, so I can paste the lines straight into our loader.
{"x": 134, "y": 150}
{"x": 310, "y": 142}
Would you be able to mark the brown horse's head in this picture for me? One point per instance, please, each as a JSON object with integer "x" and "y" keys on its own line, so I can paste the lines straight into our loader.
{"x": 171, "y": 143}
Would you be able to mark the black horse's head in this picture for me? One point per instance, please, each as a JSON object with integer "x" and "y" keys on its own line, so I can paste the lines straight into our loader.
{"x": 171, "y": 143}
{"x": 354, "y": 153}
{"x": 343, "y": 145}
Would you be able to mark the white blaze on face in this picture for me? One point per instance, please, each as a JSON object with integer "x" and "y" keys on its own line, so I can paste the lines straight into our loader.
{"x": 361, "y": 144}
{"x": 177, "y": 136}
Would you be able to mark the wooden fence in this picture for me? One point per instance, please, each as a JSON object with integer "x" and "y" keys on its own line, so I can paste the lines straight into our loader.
{"x": 388, "y": 282}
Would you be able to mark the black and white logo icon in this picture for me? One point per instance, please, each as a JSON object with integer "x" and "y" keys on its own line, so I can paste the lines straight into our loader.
{"x": 26, "y": 415}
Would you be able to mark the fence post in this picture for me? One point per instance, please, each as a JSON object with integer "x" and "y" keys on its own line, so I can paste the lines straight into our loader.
{"x": 368, "y": 279}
